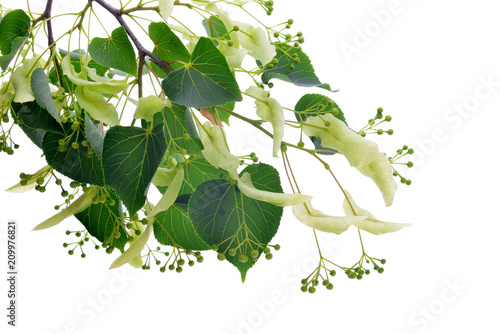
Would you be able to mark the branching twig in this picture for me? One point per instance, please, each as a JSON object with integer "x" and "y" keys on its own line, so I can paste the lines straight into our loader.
{"x": 141, "y": 49}
{"x": 46, "y": 16}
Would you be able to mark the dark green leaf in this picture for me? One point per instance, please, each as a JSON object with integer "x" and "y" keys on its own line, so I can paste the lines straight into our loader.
{"x": 130, "y": 158}
{"x": 203, "y": 82}
{"x": 168, "y": 47}
{"x": 14, "y": 25}
{"x": 36, "y": 135}
{"x": 36, "y": 117}
{"x": 174, "y": 227}
{"x": 5, "y": 60}
{"x": 76, "y": 164}
{"x": 222, "y": 215}
{"x": 302, "y": 73}
{"x": 176, "y": 130}
{"x": 216, "y": 29}
{"x": 115, "y": 51}
{"x": 315, "y": 105}
{"x": 103, "y": 219}
{"x": 93, "y": 135}
{"x": 43, "y": 96}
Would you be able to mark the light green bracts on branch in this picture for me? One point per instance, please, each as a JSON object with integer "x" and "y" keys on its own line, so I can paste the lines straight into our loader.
{"x": 80, "y": 204}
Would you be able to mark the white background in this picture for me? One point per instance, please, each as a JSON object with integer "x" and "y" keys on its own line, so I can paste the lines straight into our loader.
{"x": 427, "y": 58}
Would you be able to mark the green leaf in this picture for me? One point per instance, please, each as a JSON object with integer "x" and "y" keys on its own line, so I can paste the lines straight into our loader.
{"x": 5, "y": 60}
{"x": 203, "y": 82}
{"x": 93, "y": 135}
{"x": 115, "y": 51}
{"x": 103, "y": 219}
{"x": 14, "y": 25}
{"x": 76, "y": 164}
{"x": 196, "y": 172}
{"x": 35, "y": 135}
{"x": 168, "y": 47}
{"x": 216, "y": 29}
{"x": 177, "y": 132}
{"x": 222, "y": 215}
{"x": 174, "y": 227}
{"x": 130, "y": 158}
{"x": 302, "y": 73}
{"x": 43, "y": 96}
{"x": 36, "y": 117}
{"x": 315, "y": 105}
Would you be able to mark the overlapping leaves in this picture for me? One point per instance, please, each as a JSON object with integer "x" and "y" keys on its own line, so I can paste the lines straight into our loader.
{"x": 222, "y": 215}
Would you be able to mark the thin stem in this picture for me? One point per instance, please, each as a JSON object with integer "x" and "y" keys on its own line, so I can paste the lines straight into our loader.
{"x": 361, "y": 240}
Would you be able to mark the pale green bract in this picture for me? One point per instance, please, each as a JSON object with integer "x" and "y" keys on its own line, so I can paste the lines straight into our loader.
{"x": 96, "y": 106}
{"x": 255, "y": 40}
{"x": 215, "y": 148}
{"x": 359, "y": 218}
{"x": 135, "y": 247}
{"x": 164, "y": 176}
{"x": 7, "y": 93}
{"x": 358, "y": 151}
{"x": 269, "y": 110}
{"x": 166, "y": 8}
{"x": 21, "y": 80}
{"x": 149, "y": 106}
{"x": 234, "y": 56}
{"x": 99, "y": 84}
{"x": 30, "y": 184}
{"x": 380, "y": 171}
{"x": 247, "y": 188}
{"x": 164, "y": 203}
{"x": 170, "y": 194}
{"x": 80, "y": 204}
{"x": 316, "y": 219}
{"x": 370, "y": 224}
